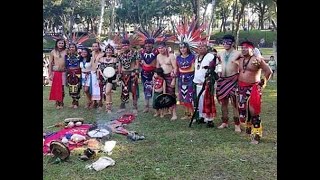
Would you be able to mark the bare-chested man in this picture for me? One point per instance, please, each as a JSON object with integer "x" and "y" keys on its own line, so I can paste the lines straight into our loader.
{"x": 251, "y": 86}
{"x": 167, "y": 62}
{"x": 57, "y": 74}
{"x": 129, "y": 70}
{"x": 226, "y": 84}
{"x": 97, "y": 87}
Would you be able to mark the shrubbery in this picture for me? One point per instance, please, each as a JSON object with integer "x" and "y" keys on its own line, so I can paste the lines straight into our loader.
{"x": 254, "y": 36}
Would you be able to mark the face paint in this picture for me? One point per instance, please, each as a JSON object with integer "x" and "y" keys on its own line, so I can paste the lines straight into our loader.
{"x": 227, "y": 42}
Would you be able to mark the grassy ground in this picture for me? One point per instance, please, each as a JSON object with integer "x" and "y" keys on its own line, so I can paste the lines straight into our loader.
{"x": 171, "y": 149}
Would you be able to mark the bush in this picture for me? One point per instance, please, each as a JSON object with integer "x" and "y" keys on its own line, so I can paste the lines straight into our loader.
{"x": 254, "y": 36}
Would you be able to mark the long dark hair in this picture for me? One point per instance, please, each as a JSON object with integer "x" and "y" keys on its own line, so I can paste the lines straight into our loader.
{"x": 88, "y": 58}
{"x": 160, "y": 72}
{"x": 185, "y": 45}
{"x": 56, "y": 44}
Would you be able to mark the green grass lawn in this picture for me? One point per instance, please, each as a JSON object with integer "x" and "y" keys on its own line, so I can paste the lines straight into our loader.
{"x": 171, "y": 149}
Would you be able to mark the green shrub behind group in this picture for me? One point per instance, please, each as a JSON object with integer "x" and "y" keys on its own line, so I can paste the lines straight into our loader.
{"x": 254, "y": 36}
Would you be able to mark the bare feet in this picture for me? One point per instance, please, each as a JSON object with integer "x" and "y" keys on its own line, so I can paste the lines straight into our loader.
{"x": 155, "y": 115}
{"x": 237, "y": 128}
{"x": 174, "y": 118}
{"x": 145, "y": 110}
{"x": 185, "y": 117}
{"x": 223, "y": 125}
{"x": 254, "y": 142}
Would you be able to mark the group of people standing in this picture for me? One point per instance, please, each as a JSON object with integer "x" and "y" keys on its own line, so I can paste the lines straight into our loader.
{"x": 159, "y": 69}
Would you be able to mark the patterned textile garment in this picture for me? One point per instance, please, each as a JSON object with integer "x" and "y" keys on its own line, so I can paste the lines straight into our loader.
{"x": 158, "y": 84}
{"x": 73, "y": 77}
{"x": 253, "y": 93}
{"x": 209, "y": 106}
{"x": 226, "y": 87}
{"x": 185, "y": 80}
{"x": 147, "y": 72}
{"x": 129, "y": 83}
{"x": 86, "y": 74}
{"x": 169, "y": 90}
{"x": 102, "y": 66}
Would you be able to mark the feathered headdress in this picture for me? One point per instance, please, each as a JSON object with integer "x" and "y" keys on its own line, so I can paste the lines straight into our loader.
{"x": 150, "y": 37}
{"x": 76, "y": 39}
{"x": 132, "y": 40}
{"x": 187, "y": 32}
{"x": 112, "y": 42}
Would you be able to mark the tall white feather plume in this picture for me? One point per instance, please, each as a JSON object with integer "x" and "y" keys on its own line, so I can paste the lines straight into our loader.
{"x": 104, "y": 44}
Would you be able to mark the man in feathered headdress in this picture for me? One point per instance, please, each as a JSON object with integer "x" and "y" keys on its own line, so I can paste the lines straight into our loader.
{"x": 129, "y": 70}
{"x": 148, "y": 62}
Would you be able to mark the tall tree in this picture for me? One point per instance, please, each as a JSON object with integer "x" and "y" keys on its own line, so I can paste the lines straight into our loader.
{"x": 243, "y": 4}
{"x": 261, "y": 7}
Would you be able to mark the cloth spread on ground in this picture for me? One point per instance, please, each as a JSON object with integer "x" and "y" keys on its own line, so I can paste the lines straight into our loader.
{"x": 116, "y": 126}
{"x": 81, "y": 130}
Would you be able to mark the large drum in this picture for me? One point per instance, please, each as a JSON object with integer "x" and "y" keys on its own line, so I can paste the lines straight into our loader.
{"x": 165, "y": 101}
{"x": 109, "y": 72}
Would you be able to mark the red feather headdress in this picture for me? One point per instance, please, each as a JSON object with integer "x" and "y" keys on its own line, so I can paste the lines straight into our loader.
{"x": 76, "y": 39}
{"x": 187, "y": 32}
{"x": 150, "y": 37}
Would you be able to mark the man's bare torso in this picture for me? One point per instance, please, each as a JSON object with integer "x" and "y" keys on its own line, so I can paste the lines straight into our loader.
{"x": 250, "y": 70}
{"x": 165, "y": 62}
{"x": 229, "y": 62}
{"x": 58, "y": 60}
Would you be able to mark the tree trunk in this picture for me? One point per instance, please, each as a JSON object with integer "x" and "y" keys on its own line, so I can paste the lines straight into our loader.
{"x": 102, "y": 4}
{"x": 196, "y": 12}
{"x": 274, "y": 24}
{"x": 235, "y": 11}
{"x": 224, "y": 24}
{"x": 204, "y": 14}
{"x": 212, "y": 18}
{"x": 238, "y": 23}
{"x": 88, "y": 24}
{"x": 111, "y": 30}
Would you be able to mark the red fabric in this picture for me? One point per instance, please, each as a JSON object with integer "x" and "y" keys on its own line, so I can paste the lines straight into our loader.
{"x": 255, "y": 98}
{"x": 158, "y": 83}
{"x": 126, "y": 118}
{"x": 82, "y": 130}
{"x": 56, "y": 87}
{"x": 148, "y": 68}
{"x": 187, "y": 105}
{"x": 209, "y": 107}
